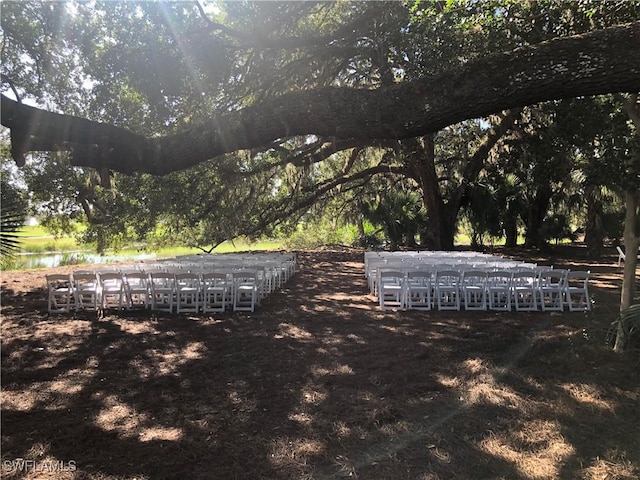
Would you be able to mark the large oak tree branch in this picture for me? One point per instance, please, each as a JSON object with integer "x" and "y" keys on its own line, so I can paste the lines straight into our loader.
{"x": 319, "y": 152}
{"x": 477, "y": 162}
{"x": 312, "y": 194}
{"x": 600, "y": 62}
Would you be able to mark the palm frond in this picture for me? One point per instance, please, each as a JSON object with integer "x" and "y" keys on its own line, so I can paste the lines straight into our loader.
{"x": 12, "y": 218}
{"x": 629, "y": 320}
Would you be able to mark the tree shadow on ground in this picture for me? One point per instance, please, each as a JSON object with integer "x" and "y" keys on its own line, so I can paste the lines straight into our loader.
{"x": 318, "y": 383}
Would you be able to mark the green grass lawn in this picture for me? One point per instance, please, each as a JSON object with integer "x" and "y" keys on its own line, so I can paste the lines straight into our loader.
{"x": 36, "y": 239}
{"x": 240, "y": 245}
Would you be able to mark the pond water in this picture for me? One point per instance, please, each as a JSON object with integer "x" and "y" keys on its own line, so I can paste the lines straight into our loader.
{"x": 37, "y": 260}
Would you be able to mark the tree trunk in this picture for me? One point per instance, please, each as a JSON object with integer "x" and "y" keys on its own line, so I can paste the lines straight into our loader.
{"x": 594, "y": 230}
{"x": 101, "y": 241}
{"x": 511, "y": 231}
{"x": 534, "y": 236}
{"x": 631, "y": 235}
{"x": 443, "y": 216}
{"x": 360, "y": 225}
{"x": 631, "y": 245}
{"x": 421, "y": 167}
{"x": 411, "y": 237}
{"x": 448, "y": 230}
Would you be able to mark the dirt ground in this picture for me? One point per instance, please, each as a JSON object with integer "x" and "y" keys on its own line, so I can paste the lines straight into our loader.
{"x": 318, "y": 384}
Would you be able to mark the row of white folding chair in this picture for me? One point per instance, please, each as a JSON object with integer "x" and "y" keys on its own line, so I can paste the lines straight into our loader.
{"x": 253, "y": 257}
{"x": 418, "y": 258}
{"x": 187, "y": 291}
{"x": 479, "y": 289}
{"x": 525, "y": 290}
{"x": 240, "y": 289}
{"x": 427, "y": 288}
{"x": 208, "y": 292}
{"x": 423, "y": 289}
{"x": 428, "y": 255}
{"x": 266, "y": 279}
{"x": 85, "y": 290}
{"x": 272, "y": 275}
{"x": 157, "y": 290}
{"x": 283, "y": 265}
{"x": 116, "y": 288}
{"x": 377, "y": 266}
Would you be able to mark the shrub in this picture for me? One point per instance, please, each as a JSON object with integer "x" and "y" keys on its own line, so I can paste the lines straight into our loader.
{"x": 370, "y": 240}
{"x": 73, "y": 259}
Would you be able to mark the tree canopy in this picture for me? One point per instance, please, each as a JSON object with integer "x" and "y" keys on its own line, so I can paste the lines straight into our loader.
{"x": 599, "y": 62}
{"x": 219, "y": 120}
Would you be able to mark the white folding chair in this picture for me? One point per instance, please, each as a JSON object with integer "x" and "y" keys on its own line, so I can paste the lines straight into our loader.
{"x": 499, "y": 290}
{"x": 524, "y": 285}
{"x": 577, "y": 291}
{"x": 374, "y": 265}
{"x": 622, "y": 255}
{"x": 261, "y": 281}
{"x": 187, "y": 292}
{"x": 163, "y": 290}
{"x": 447, "y": 289}
{"x": 474, "y": 289}
{"x": 87, "y": 292}
{"x": 551, "y": 288}
{"x": 419, "y": 285}
{"x": 112, "y": 292}
{"x": 216, "y": 291}
{"x": 288, "y": 267}
{"x": 136, "y": 286}
{"x": 390, "y": 287}
{"x": 61, "y": 297}
{"x": 246, "y": 291}
{"x": 272, "y": 276}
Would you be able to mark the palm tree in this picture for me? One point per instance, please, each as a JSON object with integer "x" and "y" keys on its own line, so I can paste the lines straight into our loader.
{"x": 12, "y": 216}
{"x": 398, "y": 212}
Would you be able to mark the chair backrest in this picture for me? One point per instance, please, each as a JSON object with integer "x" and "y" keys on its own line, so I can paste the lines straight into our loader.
{"x": 110, "y": 276}
{"x": 59, "y": 280}
{"x": 447, "y": 277}
{"x": 135, "y": 277}
{"x": 420, "y": 274}
{"x": 187, "y": 279}
{"x": 390, "y": 276}
{"x": 474, "y": 277}
{"x": 111, "y": 280}
{"x": 553, "y": 277}
{"x": 162, "y": 279}
{"x": 420, "y": 278}
{"x": 578, "y": 278}
{"x": 499, "y": 278}
{"x": 85, "y": 281}
{"x": 244, "y": 276}
{"x": 214, "y": 278}
{"x": 526, "y": 277}
{"x": 81, "y": 272}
